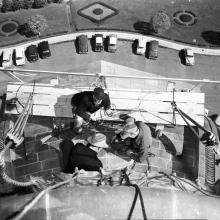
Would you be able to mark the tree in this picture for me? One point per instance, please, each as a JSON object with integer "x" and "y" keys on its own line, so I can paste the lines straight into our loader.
{"x": 28, "y": 3}
{"x": 39, "y": 3}
{"x": 160, "y": 22}
{"x": 36, "y": 24}
{"x": 7, "y": 5}
{"x": 18, "y": 4}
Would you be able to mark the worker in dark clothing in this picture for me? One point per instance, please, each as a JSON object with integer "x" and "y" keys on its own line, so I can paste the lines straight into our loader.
{"x": 83, "y": 156}
{"x": 86, "y": 103}
{"x": 140, "y": 139}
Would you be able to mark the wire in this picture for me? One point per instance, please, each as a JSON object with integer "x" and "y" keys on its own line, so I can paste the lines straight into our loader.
{"x": 137, "y": 192}
{"x": 33, "y": 201}
{"x": 196, "y": 187}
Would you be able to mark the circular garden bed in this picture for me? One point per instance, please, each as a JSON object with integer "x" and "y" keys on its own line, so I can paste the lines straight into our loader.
{"x": 8, "y": 27}
{"x": 185, "y": 18}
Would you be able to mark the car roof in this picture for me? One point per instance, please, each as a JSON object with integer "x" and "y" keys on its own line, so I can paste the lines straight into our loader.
{"x": 32, "y": 47}
{"x": 19, "y": 50}
{"x": 189, "y": 51}
{"x": 113, "y": 39}
{"x": 7, "y": 52}
{"x": 99, "y": 39}
{"x": 141, "y": 42}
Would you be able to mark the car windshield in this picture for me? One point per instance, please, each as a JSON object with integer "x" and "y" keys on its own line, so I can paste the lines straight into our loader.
{"x": 19, "y": 58}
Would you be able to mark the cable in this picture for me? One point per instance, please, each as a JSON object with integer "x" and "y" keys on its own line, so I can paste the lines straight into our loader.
{"x": 196, "y": 187}
{"x": 137, "y": 192}
{"x": 20, "y": 214}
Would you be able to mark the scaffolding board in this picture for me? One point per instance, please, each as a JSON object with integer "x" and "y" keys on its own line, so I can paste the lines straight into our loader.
{"x": 148, "y": 106}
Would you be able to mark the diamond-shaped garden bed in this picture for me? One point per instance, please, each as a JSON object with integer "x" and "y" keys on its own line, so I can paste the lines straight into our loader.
{"x": 97, "y": 12}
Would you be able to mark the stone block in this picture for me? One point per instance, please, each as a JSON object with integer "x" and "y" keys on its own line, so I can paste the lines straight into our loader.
{"x": 30, "y": 158}
{"x": 49, "y": 154}
{"x": 41, "y": 173}
{"x": 28, "y": 169}
{"x": 52, "y": 163}
{"x": 164, "y": 154}
{"x": 35, "y": 146}
{"x": 156, "y": 143}
{"x": 158, "y": 162}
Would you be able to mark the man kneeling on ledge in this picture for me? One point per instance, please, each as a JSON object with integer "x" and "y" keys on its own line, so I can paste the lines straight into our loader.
{"x": 140, "y": 139}
{"x": 83, "y": 156}
{"x": 84, "y": 104}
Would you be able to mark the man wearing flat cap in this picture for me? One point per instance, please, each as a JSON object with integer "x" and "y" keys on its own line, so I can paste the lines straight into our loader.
{"x": 140, "y": 139}
{"x": 88, "y": 102}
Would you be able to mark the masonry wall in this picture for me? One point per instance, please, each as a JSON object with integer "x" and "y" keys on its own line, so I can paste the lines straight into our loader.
{"x": 36, "y": 159}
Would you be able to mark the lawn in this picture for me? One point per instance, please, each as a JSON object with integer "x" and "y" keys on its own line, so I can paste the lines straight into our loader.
{"x": 54, "y": 13}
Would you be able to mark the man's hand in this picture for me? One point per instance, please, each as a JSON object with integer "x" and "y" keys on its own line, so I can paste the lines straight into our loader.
{"x": 92, "y": 118}
{"x": 109, "y": 112}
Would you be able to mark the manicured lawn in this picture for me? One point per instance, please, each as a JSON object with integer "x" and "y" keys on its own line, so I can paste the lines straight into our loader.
{"x": 54, "y": 13}
{"x": 133, "y": 13}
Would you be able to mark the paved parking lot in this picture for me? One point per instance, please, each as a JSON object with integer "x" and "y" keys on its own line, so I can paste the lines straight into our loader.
{"x": 65, "y": 58}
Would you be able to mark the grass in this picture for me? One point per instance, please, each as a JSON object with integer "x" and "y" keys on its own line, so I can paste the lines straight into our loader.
{"x": 55, "y": 15}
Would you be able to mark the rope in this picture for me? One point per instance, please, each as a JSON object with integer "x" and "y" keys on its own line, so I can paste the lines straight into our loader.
{"x": 191, "y": 184}
{"x": 31, "y": 203}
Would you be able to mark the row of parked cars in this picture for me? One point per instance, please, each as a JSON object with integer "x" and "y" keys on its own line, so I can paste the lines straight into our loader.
{"x": 142, "y": 48}
{"x": 19, "y": 54}
{"x": 82, "y": 43}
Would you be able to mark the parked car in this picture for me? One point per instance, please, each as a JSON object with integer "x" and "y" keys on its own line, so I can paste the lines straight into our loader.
{"x": 7, "y": 58}
{"x": 153, "y": 50}
{"x": 189, "y": 57}
{"x": 99, "y": 42}
{"x": 44, "y": 49}
{"x": 141, "y": 47}
{"x": 82, "y": 44}
{"x": 19, "y": 56}
{"x": 31, "y": 53}
{"x": 112, "y": 43}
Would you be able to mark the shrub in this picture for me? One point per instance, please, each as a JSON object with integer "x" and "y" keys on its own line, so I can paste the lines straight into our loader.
{"x": 7, "y": 5}
{"x": 160, "y": 22}
{"x": 18, "y": 4}
{"x": 28, "y": 3}
{"x": 40, "y": 3}
{"x": 36, "y": 24}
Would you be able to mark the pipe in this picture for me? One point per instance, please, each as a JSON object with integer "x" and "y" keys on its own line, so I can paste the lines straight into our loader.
{"x": 115, "y": 76}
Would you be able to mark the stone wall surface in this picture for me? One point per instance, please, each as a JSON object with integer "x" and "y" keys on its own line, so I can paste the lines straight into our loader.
{"x": 37, "y": 159}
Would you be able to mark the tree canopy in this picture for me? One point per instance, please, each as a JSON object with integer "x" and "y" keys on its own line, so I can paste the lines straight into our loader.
{"x": 160, "y": 22}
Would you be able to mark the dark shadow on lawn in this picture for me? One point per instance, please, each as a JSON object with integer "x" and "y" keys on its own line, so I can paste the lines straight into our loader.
{"x": 212, "y": 37}
{"x": 143, "y": 27}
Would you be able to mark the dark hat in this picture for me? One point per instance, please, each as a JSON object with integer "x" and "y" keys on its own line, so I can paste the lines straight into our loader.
{"x": 99, "y": 93}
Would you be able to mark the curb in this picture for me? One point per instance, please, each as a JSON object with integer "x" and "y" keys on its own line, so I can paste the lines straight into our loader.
{"x": 122, "y": 36}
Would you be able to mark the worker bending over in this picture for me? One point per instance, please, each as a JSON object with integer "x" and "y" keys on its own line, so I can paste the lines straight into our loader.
{"x": 83, "y": 156}
{"x": 88, "y": 102}
{"x": 140, "y": 139}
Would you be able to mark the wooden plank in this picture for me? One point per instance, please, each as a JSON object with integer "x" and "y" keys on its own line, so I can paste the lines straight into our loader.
{"x": 151, "y": 95}
{"x": 155, "y": 106}
{"x": 152, "y": 106}
{"x": 161, "y": 96}
{"x": 41, "y": 90}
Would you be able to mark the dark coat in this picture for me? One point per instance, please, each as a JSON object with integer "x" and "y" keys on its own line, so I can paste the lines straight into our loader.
{"x": 83, "y": 157}
{"x": 84, "y": 103}
{"x": 143, "y": 141}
